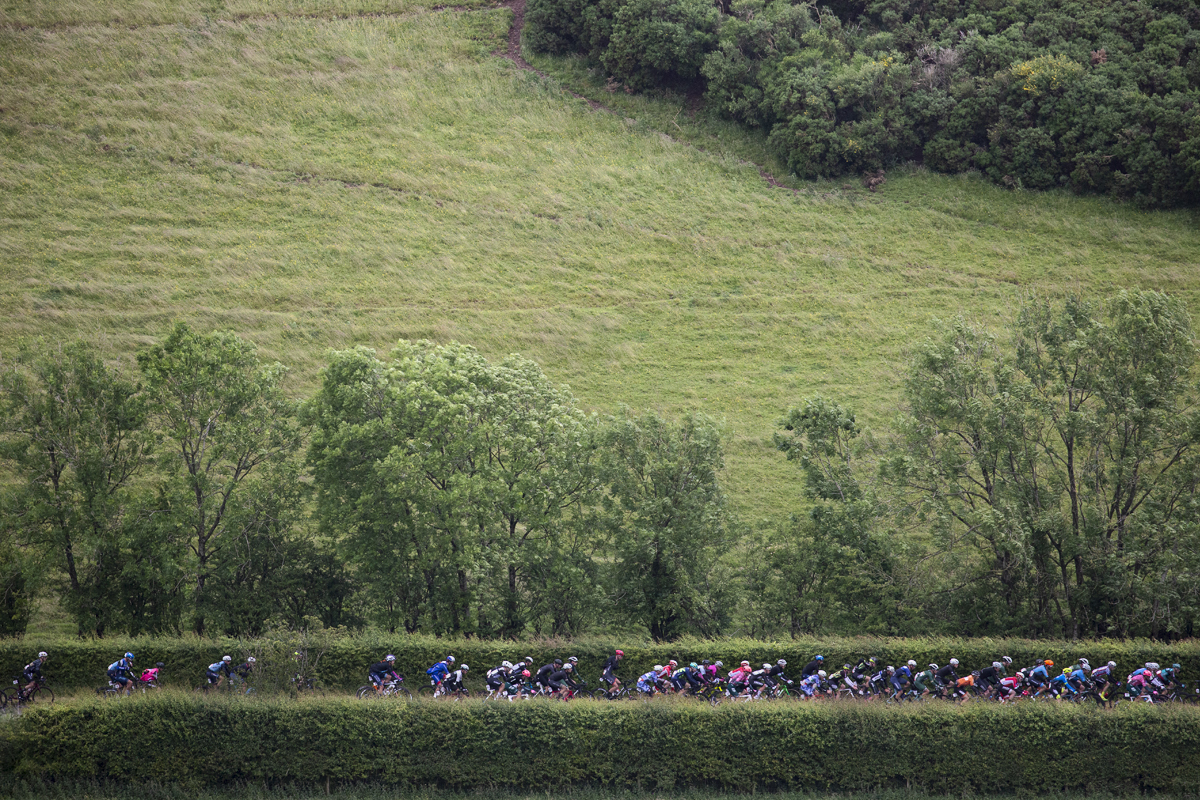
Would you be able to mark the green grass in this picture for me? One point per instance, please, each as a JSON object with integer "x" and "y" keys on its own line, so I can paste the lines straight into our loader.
{"x": 321, "y": 173}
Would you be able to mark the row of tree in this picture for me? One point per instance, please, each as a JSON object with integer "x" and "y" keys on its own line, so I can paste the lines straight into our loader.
{"x": 438, "y": 492}
{"x": 1098, "y": 95}
{"x": 1040, "y": 484}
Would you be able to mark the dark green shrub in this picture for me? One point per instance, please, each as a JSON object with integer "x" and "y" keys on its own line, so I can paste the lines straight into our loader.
{"x": 653, "y": 41}
{"x": 657, "y": 746}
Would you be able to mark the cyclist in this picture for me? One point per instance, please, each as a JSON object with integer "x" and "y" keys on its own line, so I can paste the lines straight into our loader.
{"x": 947, "y": 676}
{"x": 688, "y": 678}
{"x": 925, "y": 681}
{"x": 712, "y": 672}
{"x": 542, "y": 678}
{"x": 1079, "y": 677}
{"x": 383, "y": 671}
{"x": 811, "y": 667}
{"x": 775, "y": 674}
{"x": 810, "y": 684}
{"x": 496, "y": 677}
{"x": 1007, "y": 688}
{"x": 218, "y": 671}
{"x": 33, "y": 671}
{"x": 900, "y": 679}
{"x": 881, "y": 679}
{"x": 1039, "y": 676}
{"x": 244, "y": 669}
{"x": 647, "y": 684}
{"x": 150, "y": 674}
{"x": 118, "y": 672}
{"x": 560, "y": 680}
{"x": 608, "y": 674}
{"x": 453, "y": 682}
{"x": 739, "y": 677}
{"x": 1101, "y": 677}
{"x": 1060, "y": 686}
{"x": 438, "y": 672}
{"x": 989, "y": 678}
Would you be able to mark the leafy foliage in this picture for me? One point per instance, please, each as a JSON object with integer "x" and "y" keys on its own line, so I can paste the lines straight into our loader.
{"x": 1096, "y": 96}
{"x": 980, "y": 748}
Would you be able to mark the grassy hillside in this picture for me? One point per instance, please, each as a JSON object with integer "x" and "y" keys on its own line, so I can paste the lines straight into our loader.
{"x": 321, "y": 173}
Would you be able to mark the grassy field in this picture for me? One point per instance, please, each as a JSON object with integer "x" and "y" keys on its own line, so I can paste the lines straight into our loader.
{"x": 316, "y": 174}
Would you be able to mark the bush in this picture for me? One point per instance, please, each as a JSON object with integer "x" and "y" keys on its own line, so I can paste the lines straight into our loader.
{"x": 653, "y": 41}
{"x": 660, "y": 746}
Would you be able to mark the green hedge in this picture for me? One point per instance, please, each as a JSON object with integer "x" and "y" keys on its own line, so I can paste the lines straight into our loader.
{"x": 341, "y": 662}
{"x": 979, "y": 748}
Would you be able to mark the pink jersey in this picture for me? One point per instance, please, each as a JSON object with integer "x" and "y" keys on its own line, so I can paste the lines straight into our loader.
{"x": 150, "y": 675}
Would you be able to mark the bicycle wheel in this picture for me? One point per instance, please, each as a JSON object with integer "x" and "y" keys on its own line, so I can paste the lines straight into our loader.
{"x": 401, "y": 693}
{"x": 426, "y": 691}
{"x": 40, "y": 694}
{"x": 366, "y": 692}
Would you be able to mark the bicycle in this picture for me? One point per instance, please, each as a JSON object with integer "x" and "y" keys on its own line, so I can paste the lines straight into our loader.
{"x": 391, "y": 689}
{"x": 20, "y": 695}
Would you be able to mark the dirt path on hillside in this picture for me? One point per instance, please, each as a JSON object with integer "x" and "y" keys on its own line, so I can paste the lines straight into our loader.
{"x": 513, "y": 54}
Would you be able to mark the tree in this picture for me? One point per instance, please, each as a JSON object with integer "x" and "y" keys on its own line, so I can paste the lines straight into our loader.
{"x": 834, "y": 565}
{"x": 449, "y": 480}
{"x": 667, "y": 515}
{"x": 74, "y": 434}
{"x": 223, "y": 415}
{"x": 1070, "y": 470}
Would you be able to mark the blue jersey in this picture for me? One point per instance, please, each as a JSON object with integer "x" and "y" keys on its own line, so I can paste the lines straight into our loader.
{"x": 121, "y": 666}
{"x": 438, "y": 671}
{"x": 1039, "y": 674}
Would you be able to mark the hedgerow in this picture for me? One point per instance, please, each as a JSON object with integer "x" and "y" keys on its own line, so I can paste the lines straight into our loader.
{"x": 1099, "y": 96}
{"x": 340, "y": 662}
{"x": 981, "y": 748}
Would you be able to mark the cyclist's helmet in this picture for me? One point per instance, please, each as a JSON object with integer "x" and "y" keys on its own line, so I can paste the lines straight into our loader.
{"x": 525, "y": 673}
{"x": 620, "y": 652}
{"x": 891, "y": 668}
{"x": 160, "y": 665}
{"x": 226, "y": 659}
{"x": 1048, "y": 663}
{"x": 1152, "y": 666}
{"x": 693, "y": 665}
{"x": 465, "y": 668}
{"x": 390, "y": 657}
{"x": 1112, "y": 665}
{"x": 1175, "y": 667}
{"x": 568, "y": 667}
{"x": 912, "y": 663}
{"x": 558, "y": 662}
{"x": 43, "y": 654}
{"x": 820, "y": 658}
{"x": 1066, "y": 670}
{"x": 573, "y": 660}
{"x": 821, "y": 674}
{"x": 1008, "y": 660}
{"x": 129, "y": 656}
{"x": 251, "y": 660}
{"x": 745, "y": 663}
{"x": 506, "y": 664}
{"x": 673, "y": 663}
{"x": 718, "y": 664}
{"x": 449, "y": 659}
{"x": 1083, "y": 662}
{"x": 933, "y": 667}
{"x": 781, "y": 662}
{"x": 996, "y": 665}
{"x": 528, "y": 659}
{"x": 954, "y": 662}
{"x": 766, "y": 666}
{"x": 658, "y": 667}
{"x": 846, "y": 666}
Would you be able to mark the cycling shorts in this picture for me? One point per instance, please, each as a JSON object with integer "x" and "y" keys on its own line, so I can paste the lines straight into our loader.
{"x": 213, "y": 677}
